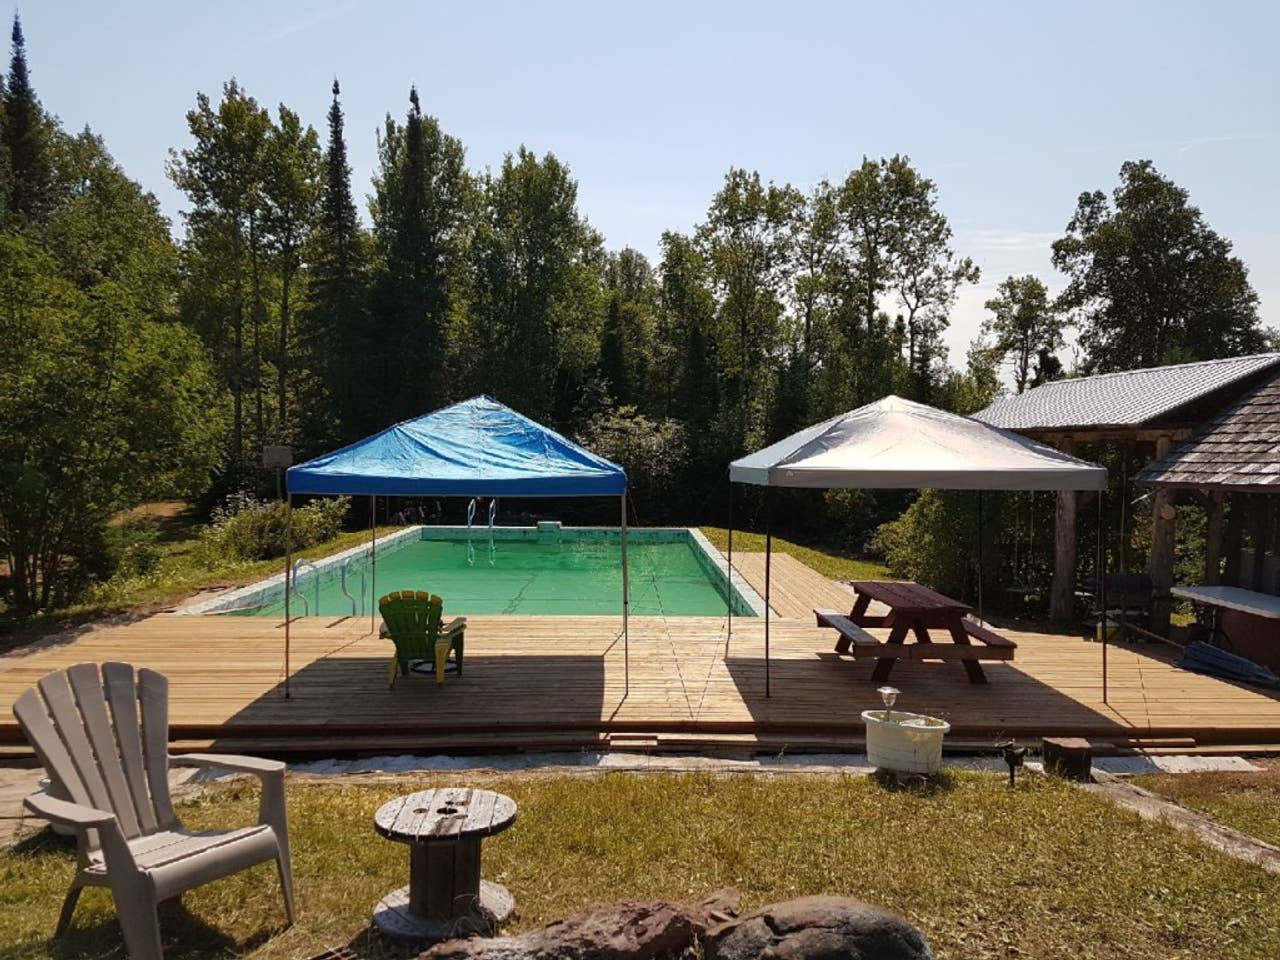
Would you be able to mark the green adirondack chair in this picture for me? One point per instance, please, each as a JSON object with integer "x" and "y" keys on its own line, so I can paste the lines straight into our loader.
{"x": 412, "y": 621}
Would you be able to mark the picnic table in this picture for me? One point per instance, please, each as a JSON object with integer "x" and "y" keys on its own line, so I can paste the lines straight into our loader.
{"x": 445, "y": 897}
{"x": 914, "y": 609}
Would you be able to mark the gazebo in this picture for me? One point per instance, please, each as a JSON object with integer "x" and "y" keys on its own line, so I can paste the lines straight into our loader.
{"x": 477, "y": 447}
{"x": 1232, "y": 465}
{"x": 899, "y": 444}
{"x": 1144, "y": 414}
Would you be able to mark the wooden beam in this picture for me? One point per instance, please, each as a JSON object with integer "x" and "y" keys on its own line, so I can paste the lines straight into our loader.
{"x": 1106, "y": 435}
{"x": 1160, "y": 562}
{"x": 1062, "y": 593}
{"x": 1234, "y": 539}
{"x": 1213, "y": 536}
{"x": 932, "y": 651}
{"x": 1260, "y": 539}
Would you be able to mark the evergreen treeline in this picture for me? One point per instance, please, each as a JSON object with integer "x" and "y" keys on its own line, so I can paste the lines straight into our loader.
{"x": 137, "y": 366}
{"x": 780, "y": 308}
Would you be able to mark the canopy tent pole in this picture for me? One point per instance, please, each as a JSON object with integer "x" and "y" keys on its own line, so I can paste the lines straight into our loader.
{"x": 1102, "y": 588}
{"x": 626, "y": 603}
{"x": 768, "y": 555}
{"x": 981, "y": 619}
{"x": 728, "y": 593}
{"x": 288, "y": 564}
{"x": 373, "y": 558}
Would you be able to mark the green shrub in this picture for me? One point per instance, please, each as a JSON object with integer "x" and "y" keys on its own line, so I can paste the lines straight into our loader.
{"x": 134, "y": 550}
{"x": 652, "y": 452}
{"x": 246, "y": 528}
{"x": 935, "y": 542}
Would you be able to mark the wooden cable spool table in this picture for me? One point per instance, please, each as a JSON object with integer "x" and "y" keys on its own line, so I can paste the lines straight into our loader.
{"x": 446, "y": 897}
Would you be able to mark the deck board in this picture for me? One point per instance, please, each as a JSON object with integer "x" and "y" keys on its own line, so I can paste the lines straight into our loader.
{"x": 528, "y": 677}
{"x": 796, "y": 590}
{"x": 535, "y": 682}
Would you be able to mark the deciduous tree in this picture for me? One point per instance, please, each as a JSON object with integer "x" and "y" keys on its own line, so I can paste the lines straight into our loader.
{"x": 538, "y": 304}
{"x": 221, "y": 174}
{"x": 1149, "y": 281}
{"x": 108, "y": 401}
{"x": 1024, "y": 325}
{"x": 291, "y": 184}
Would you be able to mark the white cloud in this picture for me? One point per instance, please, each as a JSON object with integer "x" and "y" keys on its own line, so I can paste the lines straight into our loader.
{"x": 1002, "y": 239}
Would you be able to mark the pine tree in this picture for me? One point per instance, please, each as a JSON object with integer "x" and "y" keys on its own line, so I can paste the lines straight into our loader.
{"x": 417, "y": 284}
{"x": 333, "y": 327}
{"x": 419, "y": 211}
{"x": 25, "y": 135}
{"x": 6, "y": 184}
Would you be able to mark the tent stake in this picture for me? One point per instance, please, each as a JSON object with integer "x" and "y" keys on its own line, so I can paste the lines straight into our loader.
{"x": 768, "y": 555}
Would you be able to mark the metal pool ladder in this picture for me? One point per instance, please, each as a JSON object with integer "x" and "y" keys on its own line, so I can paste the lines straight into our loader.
{"x": 493, "y": 513}
{"x": 306, "y": 608}
{"x": 346, "y": 570}
{"x": 471, "y": 547}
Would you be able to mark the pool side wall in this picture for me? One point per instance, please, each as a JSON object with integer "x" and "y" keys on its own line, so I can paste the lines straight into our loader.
{"x": 329, "y": 568}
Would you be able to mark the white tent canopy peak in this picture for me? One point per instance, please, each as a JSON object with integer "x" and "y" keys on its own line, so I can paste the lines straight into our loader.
{"x": 899, "y": 444}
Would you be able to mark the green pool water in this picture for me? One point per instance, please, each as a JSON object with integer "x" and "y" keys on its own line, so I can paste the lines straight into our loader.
{"x": 569, "y": 577}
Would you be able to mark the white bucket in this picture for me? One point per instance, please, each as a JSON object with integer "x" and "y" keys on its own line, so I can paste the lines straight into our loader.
{"x": 58, "y": 828}
{"x": 909, "y": 743}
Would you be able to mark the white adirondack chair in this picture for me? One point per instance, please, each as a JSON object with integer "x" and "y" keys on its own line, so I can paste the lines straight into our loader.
{"x": 103, "y": 738}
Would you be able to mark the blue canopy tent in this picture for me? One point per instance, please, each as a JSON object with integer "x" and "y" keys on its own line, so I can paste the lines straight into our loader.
{"x": 478, "y": 447}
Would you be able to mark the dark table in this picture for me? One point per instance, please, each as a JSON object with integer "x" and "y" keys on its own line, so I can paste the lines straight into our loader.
{"x": 916, "y": 609}
{"x": 445, "y": 897}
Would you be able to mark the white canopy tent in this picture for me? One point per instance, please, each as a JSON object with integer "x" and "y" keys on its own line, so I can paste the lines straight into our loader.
{"x": 898, "y": 444}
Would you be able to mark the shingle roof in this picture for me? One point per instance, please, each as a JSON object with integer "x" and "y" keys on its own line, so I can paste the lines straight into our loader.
{"x": 1239, "y": 449}
{"x": 1125, "y": 399}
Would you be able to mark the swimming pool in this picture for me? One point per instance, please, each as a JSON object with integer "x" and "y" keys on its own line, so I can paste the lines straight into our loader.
{"x": 539, "y": 571}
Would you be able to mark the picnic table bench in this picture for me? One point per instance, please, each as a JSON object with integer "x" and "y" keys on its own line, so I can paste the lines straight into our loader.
{"x": 914, "y": 609}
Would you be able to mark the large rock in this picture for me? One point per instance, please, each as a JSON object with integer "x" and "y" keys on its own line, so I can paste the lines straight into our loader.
{"x": 817, "y": 928}
{"x": 626, "y": 930}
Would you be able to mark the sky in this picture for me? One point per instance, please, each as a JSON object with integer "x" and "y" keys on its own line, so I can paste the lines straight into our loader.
{"x": 1011, "y": 109}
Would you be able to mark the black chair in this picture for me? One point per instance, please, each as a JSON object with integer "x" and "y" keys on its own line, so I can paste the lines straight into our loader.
{"x": 1129, "y": 600}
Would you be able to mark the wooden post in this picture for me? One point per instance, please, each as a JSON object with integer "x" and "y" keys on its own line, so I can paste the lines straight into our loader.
{"x": 1260, "y": 540}
{"x": 1062, "y": 594}
{"x": 1213, "y": 537}
{"x": 1160, "y": 562}
{"x": 1234, "y": 539}
{"x": 1122, "y": 554}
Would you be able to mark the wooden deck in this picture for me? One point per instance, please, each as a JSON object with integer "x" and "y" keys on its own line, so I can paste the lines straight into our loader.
{"x": 796, "y": 590}
{"x": 562, "y": 683}
{"x": 539, "y": 683}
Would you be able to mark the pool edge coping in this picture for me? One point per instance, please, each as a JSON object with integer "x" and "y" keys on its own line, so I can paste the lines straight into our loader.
{"x": 226, "y": 601}
{"x": 236, "y": 598}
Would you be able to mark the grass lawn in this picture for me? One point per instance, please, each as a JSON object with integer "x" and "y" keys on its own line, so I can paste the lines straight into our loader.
{"x": 181, "y": 571}
{"x": 836, "y": 566}
{"x": 1046, "y": 871}
{"x": 1250, "y": 802}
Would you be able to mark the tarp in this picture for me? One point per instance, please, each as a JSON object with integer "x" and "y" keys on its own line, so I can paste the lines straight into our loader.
{"x": 898, "y": 444}
{"x": 478, "y": 447}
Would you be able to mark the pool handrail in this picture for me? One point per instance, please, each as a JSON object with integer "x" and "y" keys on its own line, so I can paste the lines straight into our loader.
{"x": 471, "y": 547}
{"x": 493, "y": 514}
{"x": 316, "y": 571}
{"x": 364, "y": 586}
